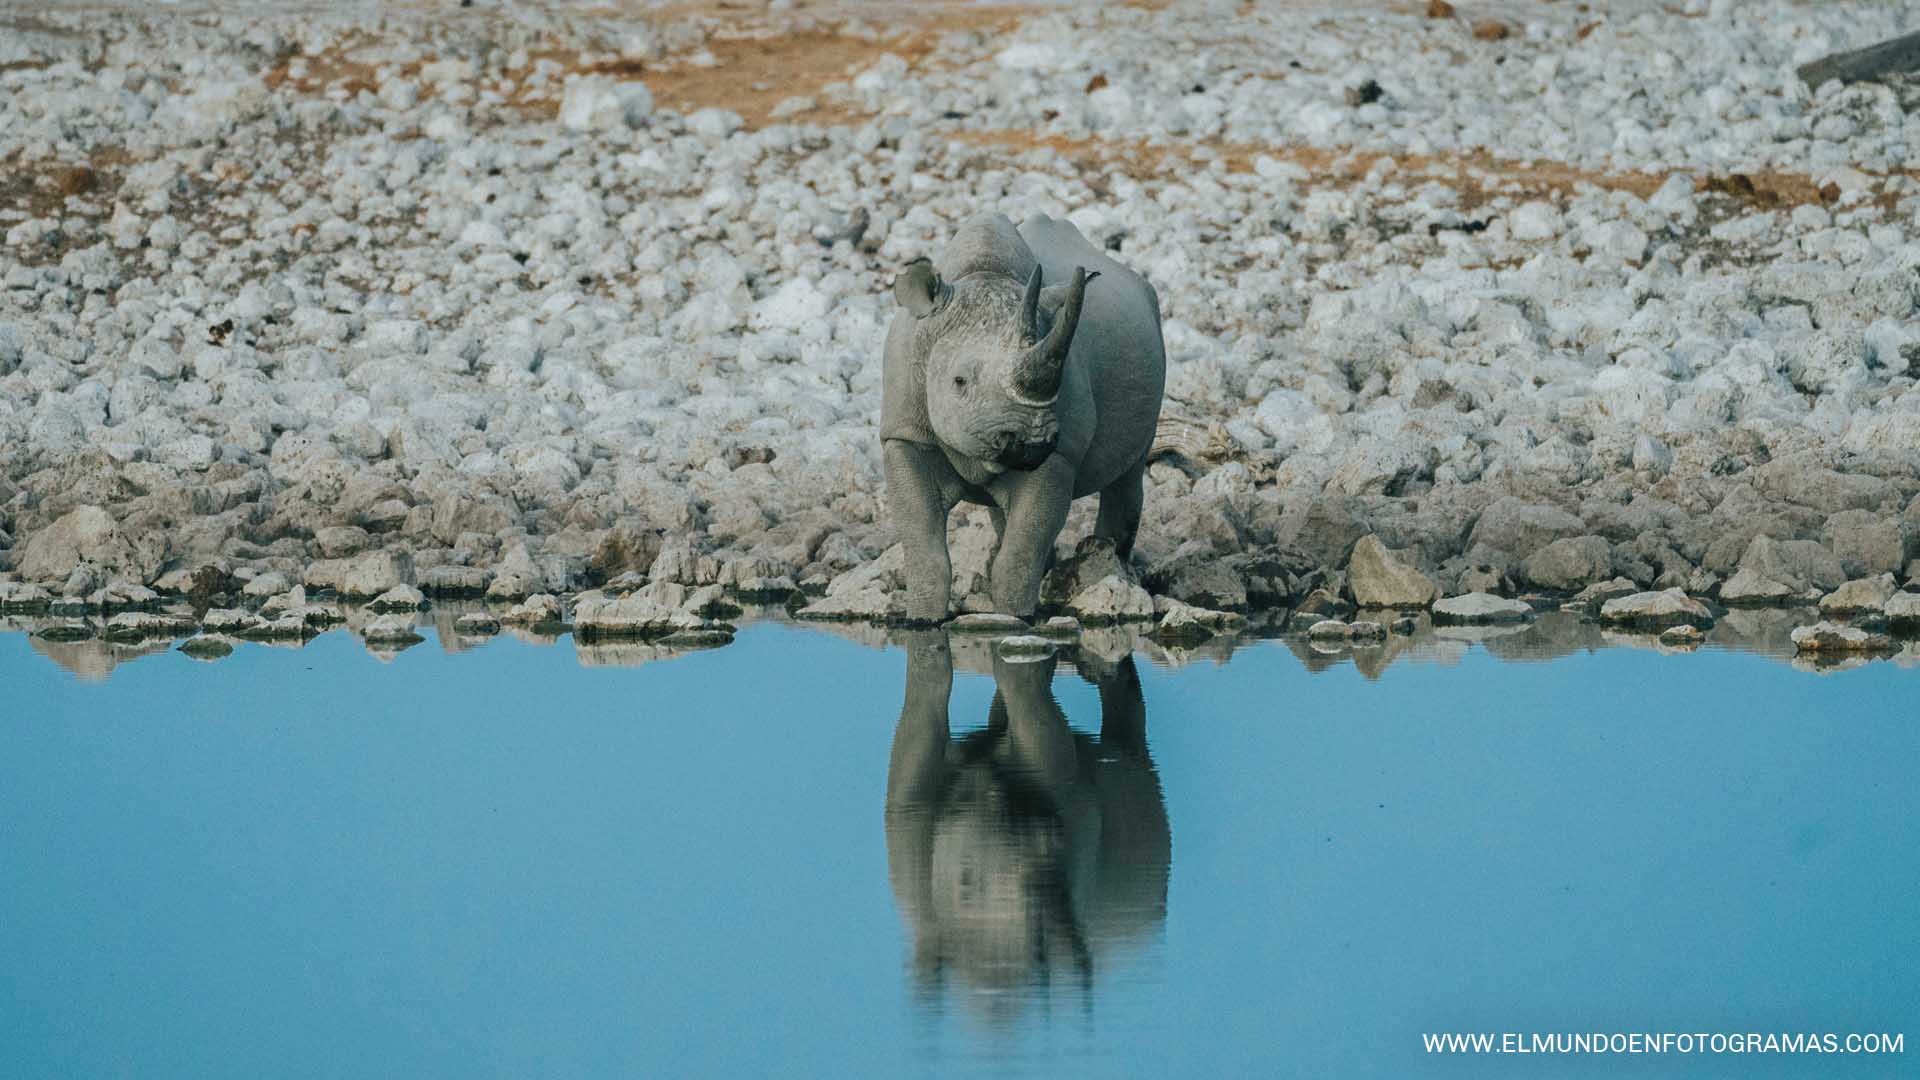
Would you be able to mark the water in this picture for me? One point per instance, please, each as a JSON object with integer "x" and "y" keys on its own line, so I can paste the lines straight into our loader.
{"x": 797, "y": 856}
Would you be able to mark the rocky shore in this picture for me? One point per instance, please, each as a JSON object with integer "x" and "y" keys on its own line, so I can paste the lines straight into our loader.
{"x": 577, "y": 315}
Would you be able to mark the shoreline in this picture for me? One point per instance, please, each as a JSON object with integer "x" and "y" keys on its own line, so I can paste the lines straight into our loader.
{"x": 502, "y": 303}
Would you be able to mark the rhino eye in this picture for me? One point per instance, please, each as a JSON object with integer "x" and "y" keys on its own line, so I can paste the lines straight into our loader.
{"x": 960, "y": 381}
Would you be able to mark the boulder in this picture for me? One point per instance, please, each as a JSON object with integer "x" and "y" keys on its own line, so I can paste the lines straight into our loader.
{"x": 398, "y": 598}
{"x": 362, "y": 577}
{"x": 1185, "y": 622}
{"x": 1202, "y": 579}
{"x": 624, "y": 549}
{"x": 1655, "y": 611}
{"x": 141, "y": 625}
{"x": 1112, "y": 599}
{"x": 90, "y": 536}
{"x": 1480, "y": 608}
{"x": 22, "y": 598}
{"x": 1569, "y": 565}
{"x": 1593, "y": 596}
{"x": 633, "y": 616}
{"x": 271, "y": 583}
{"x": 1093, "y": 560}
{"x": 340, "y": 541}
{"x": 1832, "y": 637}
{"x": 874, "y": 590}
{"x": 1750, "y": 588}
{"x": 1378, "y": 578}
{"x": 1521, "y": 528}
{"x": 1861, "y": 596}
{"x": 454, "y": 581}
{"x": 229, "y": 620}
{"x": 1866, "y": 543}
{"x": 1903, "y": 611}
{"x": 536, "y": 610}
{"x": 1798, "y": 564}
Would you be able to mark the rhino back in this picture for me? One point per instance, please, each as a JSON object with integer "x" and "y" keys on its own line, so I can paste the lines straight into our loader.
{"x": 1118, "y": 348}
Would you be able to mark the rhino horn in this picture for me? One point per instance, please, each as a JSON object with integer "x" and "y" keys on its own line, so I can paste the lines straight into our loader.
{"x": 1036, "y": 376}
{"x": 1030, "y": 308}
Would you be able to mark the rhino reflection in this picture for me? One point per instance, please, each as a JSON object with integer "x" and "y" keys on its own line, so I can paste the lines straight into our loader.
{"x": 1023, "y": 853}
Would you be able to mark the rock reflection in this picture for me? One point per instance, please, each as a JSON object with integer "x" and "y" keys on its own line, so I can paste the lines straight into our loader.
{"x": 1025, "y": 853}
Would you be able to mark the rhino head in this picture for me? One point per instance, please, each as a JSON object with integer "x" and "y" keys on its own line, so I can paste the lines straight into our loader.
{"x": 994, "y": 355}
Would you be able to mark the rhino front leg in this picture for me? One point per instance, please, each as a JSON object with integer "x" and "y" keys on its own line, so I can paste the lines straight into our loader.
{"x": 919, "y": 511}
{"x": 1036, "y": 508}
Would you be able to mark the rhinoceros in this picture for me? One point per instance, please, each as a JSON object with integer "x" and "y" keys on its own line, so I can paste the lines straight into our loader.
{"x": 1024, "y": 370}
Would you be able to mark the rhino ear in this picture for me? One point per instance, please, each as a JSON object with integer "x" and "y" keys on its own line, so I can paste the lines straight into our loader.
{"x": 918, "y": 288}
{"x": 1053, "y": 296}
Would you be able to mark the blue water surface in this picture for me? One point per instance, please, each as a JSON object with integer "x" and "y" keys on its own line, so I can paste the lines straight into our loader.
{"x": 311, "y": 863}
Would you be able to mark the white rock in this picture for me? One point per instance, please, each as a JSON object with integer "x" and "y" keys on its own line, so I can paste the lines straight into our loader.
{"x": 1479, "y": 607}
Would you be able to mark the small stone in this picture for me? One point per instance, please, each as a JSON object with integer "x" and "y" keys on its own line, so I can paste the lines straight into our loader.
{"x": 1686, "y": 634}
{"x": 206, "y": 647}
{"x": 477, "y": 624}
{"x": 1024, "y": 647}
{"x": 988, "y": 623}
{"x": 1364, "y": 630}
{"x": 1480, "y": 608}
{"x": 1329, "y": 630}
{"x": 1060, "y": 627}
{"x": 702, "y": 637}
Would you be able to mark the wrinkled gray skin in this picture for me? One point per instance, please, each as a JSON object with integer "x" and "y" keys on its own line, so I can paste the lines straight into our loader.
{"x": 1023, "y": 852}
{"x": 984, "y": 405}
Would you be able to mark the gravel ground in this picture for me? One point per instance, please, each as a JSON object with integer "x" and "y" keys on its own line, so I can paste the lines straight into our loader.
{"x": 1545, "y": 298}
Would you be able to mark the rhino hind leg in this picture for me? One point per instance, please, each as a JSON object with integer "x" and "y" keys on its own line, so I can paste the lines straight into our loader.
{"x": 1120, "y": 504}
